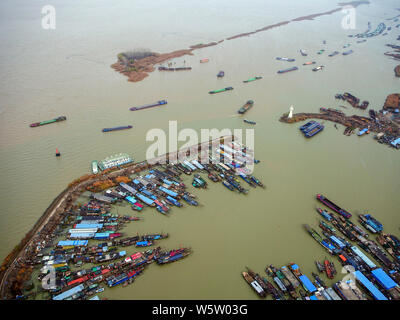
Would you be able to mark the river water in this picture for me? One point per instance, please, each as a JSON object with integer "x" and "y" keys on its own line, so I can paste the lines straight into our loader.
{"x": 66, "y": 71}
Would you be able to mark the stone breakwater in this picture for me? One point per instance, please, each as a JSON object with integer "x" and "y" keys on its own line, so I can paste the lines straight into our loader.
{"x": 138, "y": 69}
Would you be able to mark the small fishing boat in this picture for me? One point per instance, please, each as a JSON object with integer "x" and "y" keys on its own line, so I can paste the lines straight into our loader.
{"x": 246, "y": 106}
{"x": 328, "y": 269}
{"x": 363, "y": 131}
{"x": 249, "y": 121}
{"x": 321, "y": 51}
{"x": 309, "y": 63}
{"x": 95, "y": 169}
{"x": 347, "y": 52}
{"x": 285, "y": 59}
{"x": 204, "y": 60}
{"x": 116, "y": 128}
{"x": 317, "y": 68}
{"x": 334, "y": 53}
{"x": 252, "y": 79}
{"x": 303, "y": 52}
{"x": 220, "y": 74}
{"x": 320, "y": 266}
{"x": 258, "y": 182}
{"x": 287, "y": 70}
{"x": 346, "y": 46}
{"x": 221, "y": 90}
{"x": 361, "y": 41}
{"x": 58, "y": 153}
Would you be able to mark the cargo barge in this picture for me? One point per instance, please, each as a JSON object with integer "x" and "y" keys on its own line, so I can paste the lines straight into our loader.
{"x": 334, "y": 53}
{"x": 252, "y": 79}
{"x": 221, "y": 90}
{"x": 333, "y": 206}
{"x": 116, "y": 128}
{"x": 158, "y": 103}
{"x": 313, "y": 132}
{"x": 347, "y": 52}
{"x": 287, "y": 70}
{"x": 246, "y": 107}
{"x": 174, "y": 69}
{"x": 285, "y": 59}
{"x": 38, "y": 124}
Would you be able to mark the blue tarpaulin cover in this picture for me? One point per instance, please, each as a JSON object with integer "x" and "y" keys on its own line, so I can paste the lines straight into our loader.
{"x": 72, "y": 243}
{"x": 171, "y": 193}
{"x": 69, "y": 292}
{"x": 313, "y": 297}
{"x": 307, "y": 283}
{"x": 386, "y": 281}
{"x": 369, "y": 286}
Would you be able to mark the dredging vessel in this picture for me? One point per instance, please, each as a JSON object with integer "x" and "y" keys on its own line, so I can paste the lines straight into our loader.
{"x": 158, "y": 103}
{"x": 38, "y": 124}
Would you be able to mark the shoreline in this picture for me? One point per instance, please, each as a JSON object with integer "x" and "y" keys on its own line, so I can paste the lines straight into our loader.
{"x": 140, "y": 69}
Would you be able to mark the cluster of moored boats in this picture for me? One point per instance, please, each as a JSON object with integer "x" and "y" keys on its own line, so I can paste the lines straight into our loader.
{"x": 112, "y": 267}
{"x": 367, "y": 281}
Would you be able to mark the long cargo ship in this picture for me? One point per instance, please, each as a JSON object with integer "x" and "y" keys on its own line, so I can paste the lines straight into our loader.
{"x": 252, "y": 79}
{"x": 347, "y": 52}
{"x": 333, "y": 206}
{"x": 285, "y": 59}
{"x": 115, "y": 161}
{"x": 174, "y": 69}
{"x": 38, "y": 124}
{"x": 158, "y": 103}
{"x": 221, "y": 90}
{"x": 116, "y": 128}
{"x": 287, "y": 70}
{"x": 246, "y": 107}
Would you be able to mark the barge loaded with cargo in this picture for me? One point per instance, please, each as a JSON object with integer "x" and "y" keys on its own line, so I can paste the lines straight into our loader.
{"x": 252, "y": 79}
{"x": 287, "y": 70}
{"x": 116, "y": 128}
{"x": 246, "y": 106}
{"x": 221, "y": 90}
{"x": 38, "y": 124}
{"x": 333, "y": 206}
{"x": 146, "y": 106}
